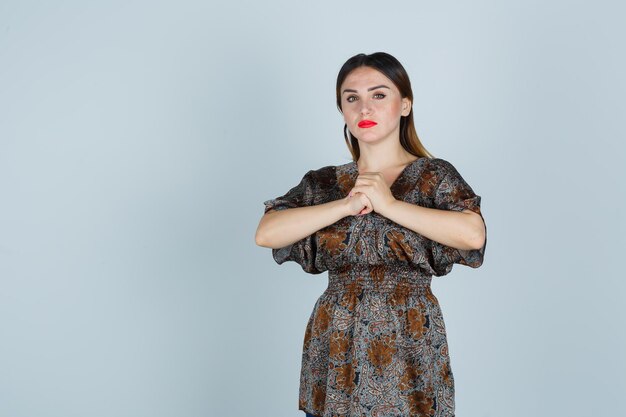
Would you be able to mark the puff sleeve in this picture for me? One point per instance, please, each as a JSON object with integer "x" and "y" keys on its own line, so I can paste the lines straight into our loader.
{"x": 454, "y": 193}
{"x": 304, "y": 251}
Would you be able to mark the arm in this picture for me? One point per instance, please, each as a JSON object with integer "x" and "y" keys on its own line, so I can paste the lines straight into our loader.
{"x": 279, "y": 228}
{"x": 458, "y": 229}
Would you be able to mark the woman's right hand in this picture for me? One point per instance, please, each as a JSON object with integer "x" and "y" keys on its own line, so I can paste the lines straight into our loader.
{"x": 358, "y": 204}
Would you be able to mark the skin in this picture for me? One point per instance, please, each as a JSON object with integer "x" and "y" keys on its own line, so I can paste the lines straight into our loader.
{"x": 382, "y": 157}
{"x": 381, "y": 161}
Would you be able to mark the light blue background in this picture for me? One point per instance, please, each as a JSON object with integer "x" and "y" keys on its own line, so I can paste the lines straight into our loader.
{"x": 139, "y": 139}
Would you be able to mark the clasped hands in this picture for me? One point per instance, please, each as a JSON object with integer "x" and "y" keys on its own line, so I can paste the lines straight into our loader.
{"x": 370, "y": 193}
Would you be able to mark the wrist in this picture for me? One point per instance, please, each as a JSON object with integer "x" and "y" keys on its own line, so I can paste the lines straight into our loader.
{"x": 388, "y": 207}
{"x": 343, "y": 206}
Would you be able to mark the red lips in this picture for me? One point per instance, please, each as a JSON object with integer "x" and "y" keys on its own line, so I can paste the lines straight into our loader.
{"x": 367, "y": 123}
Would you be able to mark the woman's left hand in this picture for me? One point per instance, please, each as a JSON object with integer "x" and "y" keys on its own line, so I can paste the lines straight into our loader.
{"x": 373, "y": 185}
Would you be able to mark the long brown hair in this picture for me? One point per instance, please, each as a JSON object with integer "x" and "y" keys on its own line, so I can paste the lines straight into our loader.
{"x": 392, "y": 69}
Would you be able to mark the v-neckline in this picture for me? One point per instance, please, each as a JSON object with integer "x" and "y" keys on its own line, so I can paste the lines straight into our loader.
{"x": 395, "y": 183}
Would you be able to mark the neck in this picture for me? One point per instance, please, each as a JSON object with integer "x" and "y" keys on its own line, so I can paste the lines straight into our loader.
{"x": 378, "y": 158}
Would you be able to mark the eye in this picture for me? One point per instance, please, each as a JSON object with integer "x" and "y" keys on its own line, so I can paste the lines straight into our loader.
{"x": 349, "y": 99}
{"x": 380, "y": 95}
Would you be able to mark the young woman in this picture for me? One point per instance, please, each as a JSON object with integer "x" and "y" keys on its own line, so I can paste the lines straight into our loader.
{"x": 382, "y": 226}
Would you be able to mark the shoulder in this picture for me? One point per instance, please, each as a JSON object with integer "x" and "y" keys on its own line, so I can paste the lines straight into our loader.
{"x": 444, "y": 171}
{"x": 326, "y": 175}
{"x": 442, "y": 166}
{"x": 432, "y": 172}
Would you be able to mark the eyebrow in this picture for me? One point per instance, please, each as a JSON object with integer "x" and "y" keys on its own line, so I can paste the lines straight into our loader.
{"x": 349, "y": 90}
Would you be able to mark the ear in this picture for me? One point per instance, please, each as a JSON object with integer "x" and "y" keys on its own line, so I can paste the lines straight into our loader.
{"x": 406, "y": 106}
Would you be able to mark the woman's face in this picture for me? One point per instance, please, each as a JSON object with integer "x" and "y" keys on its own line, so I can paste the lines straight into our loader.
{"x": 368, "y": 95}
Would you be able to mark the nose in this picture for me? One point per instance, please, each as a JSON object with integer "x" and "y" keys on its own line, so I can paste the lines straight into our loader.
{"x": 365, "y": 107}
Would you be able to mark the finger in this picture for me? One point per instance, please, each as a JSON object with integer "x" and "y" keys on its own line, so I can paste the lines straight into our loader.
{"x": 369, "y": 182}
{"x": 366, "y": 179}
{"x": 370, "y": 175}
{"x": 358, "y": 189}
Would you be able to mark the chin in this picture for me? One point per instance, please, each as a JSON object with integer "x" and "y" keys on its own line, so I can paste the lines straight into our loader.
{"x": 369, "y": 137}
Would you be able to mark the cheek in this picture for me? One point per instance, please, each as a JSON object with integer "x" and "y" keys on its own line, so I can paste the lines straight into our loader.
{"x": 349, "y": 114}
{"x": 395, "y": 107}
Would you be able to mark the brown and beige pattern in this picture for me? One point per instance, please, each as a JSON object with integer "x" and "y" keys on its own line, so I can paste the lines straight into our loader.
{"x": 375, "y": 344}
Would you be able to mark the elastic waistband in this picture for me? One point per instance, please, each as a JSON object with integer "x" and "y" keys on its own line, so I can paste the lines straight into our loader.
{"x": 386, "y": 277}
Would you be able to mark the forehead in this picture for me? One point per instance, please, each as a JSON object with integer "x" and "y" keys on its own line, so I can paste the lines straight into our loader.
{"x": 363, "y": 77}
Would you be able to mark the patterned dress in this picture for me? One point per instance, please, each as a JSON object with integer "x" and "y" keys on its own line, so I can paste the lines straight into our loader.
{"x": 375, "y": 343}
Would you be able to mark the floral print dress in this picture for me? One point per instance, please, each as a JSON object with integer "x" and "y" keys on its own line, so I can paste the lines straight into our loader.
{"x": 375, "y": 343}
